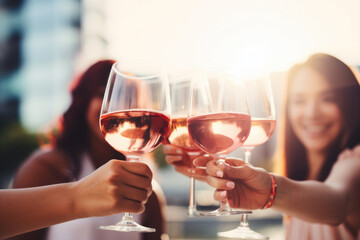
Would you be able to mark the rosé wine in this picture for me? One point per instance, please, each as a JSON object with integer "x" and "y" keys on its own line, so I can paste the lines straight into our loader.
{"x": 135, "y": 131}
{"x": 179, "y": 135}
{"x": 261, "y": 131}
{"x": 219, "y": 133}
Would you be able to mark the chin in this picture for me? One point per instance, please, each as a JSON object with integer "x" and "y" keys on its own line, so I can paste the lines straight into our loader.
{"x": 316, "y": 146}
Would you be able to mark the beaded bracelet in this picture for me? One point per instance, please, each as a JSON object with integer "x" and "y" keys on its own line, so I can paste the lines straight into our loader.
{"x": 270, "y": 202}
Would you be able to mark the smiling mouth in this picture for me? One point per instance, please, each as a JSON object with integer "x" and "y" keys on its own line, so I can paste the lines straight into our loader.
{"x": 316, "y": 129}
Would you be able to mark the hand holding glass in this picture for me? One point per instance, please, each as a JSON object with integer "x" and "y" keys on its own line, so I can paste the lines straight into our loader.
{"x": 135, "y": 117}
{"x": 218, "y": 121}
{"x": 262, "y": 110}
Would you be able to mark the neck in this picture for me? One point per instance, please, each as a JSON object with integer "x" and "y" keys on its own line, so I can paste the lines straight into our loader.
{"x": 315, "y": 161}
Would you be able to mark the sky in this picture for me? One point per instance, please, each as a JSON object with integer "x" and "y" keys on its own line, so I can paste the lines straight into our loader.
{"x": 268, "y": 35}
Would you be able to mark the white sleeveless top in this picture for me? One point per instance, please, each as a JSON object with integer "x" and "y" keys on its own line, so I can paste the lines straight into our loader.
{"x": 297, "y": 229}
{"x": 88, "y": 228}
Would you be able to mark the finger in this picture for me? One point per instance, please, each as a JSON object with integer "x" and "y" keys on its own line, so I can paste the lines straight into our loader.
{"x": 235, "y": 162}
{"x": 131, "y": 206}
{"x": 172, "y": 159}
{"x": 136, "y": 181}
{"x": 192, "y": 172}
{"x": 220, "y": 195}
{"x": 243, "y": 171}
{"x": 183, "y": 170}
{"x": 345, "y": 154}
{"x": 199, "y": 172}
{"x": 357, "y": 149}
{"x": 138, "y": 168}
{"x": 169, "y": 149}
{"x": 220, "y": 183}
{"x": 202, "y": 161}
{"x": 134, "y": 194}
{"x": 214, "y": 170}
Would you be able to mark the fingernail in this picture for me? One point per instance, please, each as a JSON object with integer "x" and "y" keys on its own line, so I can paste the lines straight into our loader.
{"x": 219, "y": 162}
{"x": 219, "y": 173}
{"x": 230, "y": 184}
{"x": 178, "y": 151}
{"x": 223, "y": 194}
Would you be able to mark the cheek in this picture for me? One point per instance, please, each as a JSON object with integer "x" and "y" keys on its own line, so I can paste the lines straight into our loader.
{"x": 294, "y": 114}
{"x": 334, "y": 113}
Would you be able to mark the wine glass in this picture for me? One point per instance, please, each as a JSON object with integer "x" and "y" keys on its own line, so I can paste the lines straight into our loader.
{"x": 180, "y": 83}
{"x": 135, "y": 117}
{"x": 262, "y": 111}
{"x": 219, "y": 121}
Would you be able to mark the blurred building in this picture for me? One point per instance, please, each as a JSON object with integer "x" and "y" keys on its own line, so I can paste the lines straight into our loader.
{"x": 39, "y": 40}
{"x": 10, "y": 57}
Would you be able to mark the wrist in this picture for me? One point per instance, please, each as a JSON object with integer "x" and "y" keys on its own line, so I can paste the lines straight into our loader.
{"x": 74, "y": 203}
{"x": 271, "y": 199}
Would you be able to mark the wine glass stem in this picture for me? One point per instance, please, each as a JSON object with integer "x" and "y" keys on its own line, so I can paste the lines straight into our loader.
{"x": 244, "y": 221}
{"x": 128, "y": 216}
{"x": 247, "y": 156}
{"x": 244, "y": 217}
{"x": 224, "y": 205}
{"x": 192, "y": 200}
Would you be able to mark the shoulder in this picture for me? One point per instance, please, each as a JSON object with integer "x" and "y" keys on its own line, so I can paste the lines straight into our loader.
{"x": 43, "y": 167}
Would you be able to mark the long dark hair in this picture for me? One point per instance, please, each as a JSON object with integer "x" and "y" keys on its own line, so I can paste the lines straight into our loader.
{"x": 347, "y": 92}
{"x": 73, "y": 131}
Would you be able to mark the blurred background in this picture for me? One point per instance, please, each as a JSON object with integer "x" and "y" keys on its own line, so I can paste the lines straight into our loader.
{"x": 44, "y": 43}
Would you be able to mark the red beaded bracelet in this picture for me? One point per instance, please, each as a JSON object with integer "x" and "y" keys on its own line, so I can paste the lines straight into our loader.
{"x": 272, "y": 194}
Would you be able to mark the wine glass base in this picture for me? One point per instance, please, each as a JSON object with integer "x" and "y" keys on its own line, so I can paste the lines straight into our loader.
{"x": 127, "y": 227}
{"x": 242, "y": 233}
{"x": 220, "y": 212}
{"x": 192, "y": 212}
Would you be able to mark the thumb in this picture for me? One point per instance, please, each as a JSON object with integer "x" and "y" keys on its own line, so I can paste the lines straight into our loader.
{"x": 201, "y": 161}
{"x": 236, "y": 168}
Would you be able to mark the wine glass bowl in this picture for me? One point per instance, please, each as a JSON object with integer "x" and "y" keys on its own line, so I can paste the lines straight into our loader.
{"x": 219, "y": 133}
{"x": 218, "y": 121}
{"x": 135, "y": 117}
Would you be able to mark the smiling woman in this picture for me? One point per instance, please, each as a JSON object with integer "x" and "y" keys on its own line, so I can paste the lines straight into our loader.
{"x": 314, "y": 115}
{"x": 320, "y": 120}
{"x": 322, "y": 116}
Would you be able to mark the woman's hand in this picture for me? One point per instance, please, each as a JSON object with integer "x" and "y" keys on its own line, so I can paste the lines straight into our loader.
{"x": 183, "y": 162}
{"x": 350, "y": 154}
{"x": 243, "y": 185}
{"x": 117, "y": 186}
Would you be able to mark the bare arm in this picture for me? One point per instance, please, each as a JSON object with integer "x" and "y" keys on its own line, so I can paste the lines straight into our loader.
{"x": 27, "y": 209}
{"x": 311, "y": 201}
{"x": 331, "y": 202}
{"x": 115, "y": 187}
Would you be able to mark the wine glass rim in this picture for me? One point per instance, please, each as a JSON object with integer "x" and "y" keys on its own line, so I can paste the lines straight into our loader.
{"x": 117, "y": 71}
